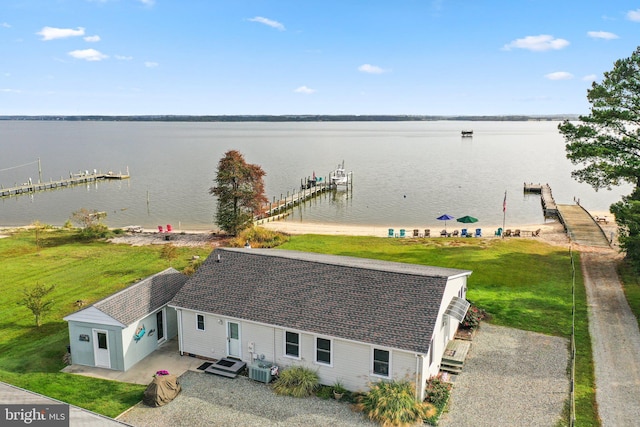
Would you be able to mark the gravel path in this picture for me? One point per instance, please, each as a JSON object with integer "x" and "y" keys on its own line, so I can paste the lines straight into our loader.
{"x": 615, "y": 340}
{"x": 210, "y": 401}
{"x": 510, "y": 378}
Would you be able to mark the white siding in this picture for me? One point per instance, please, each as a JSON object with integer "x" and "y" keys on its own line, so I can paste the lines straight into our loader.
{"x": 352, "y": 361}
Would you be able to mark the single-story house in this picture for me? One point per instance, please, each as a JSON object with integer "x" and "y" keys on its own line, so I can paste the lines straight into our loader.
{"x": 352, "y": 320}
{"x": 122, "y": 329}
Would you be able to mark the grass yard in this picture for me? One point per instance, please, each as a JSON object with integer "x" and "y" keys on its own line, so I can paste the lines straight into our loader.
{"x": 31, "y": 357}
{"x": 521, "y": 283}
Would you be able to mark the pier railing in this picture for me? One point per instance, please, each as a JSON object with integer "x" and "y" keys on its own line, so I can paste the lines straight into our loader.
{"x": 74, "y": 179}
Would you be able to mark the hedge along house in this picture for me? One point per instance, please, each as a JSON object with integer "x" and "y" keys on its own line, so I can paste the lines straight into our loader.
{"x": 122, "y": 329}
{"x": 352, "y": 320}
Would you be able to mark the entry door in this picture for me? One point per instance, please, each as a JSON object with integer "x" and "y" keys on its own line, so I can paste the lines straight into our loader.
{"x": 160, "y": 325}
{"x": 101, "y": 348}
{"x": 233, "y": 339}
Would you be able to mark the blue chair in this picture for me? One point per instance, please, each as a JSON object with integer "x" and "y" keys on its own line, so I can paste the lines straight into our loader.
{"x": 403, "y": 232}
{"x": 390, "y": 233}
{"x": 463, "y": 233}
{"x": 478, "y": 232}
{"x": 499, "y": 232}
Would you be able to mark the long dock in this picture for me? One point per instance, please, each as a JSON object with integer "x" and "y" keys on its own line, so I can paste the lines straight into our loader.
{"x": 549, "y": 206}
{"x": 581, "y": 227}
{"x": 278, "y": 208}
{"x": 74, "y": 179}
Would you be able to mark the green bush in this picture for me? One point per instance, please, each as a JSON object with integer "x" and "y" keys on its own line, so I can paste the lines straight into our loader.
{"x": 324, "y": 392}
{"x": 393, "y": 403}
{"x": 437, "y": 391}
{"x": 296, "y": 381}
{"x": 473, "y": 317}
{"x": 259, "y": 237}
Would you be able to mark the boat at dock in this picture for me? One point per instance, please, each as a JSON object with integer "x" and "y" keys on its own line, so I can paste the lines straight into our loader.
{"x": 467, "y": 133}
{"x": 339, "y": 176}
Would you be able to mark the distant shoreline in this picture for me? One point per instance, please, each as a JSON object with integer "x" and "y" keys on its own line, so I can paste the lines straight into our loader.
{"x": 291, "y": 118}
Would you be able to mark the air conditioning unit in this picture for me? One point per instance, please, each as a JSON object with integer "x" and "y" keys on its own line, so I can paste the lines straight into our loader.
{"x": 260, "y": 371}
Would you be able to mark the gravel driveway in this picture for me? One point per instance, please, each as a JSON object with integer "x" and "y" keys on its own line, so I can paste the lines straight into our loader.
{"x": 615, "y": 340}
{"x": 211, "y": 401}
{"x": 510, "y": 378}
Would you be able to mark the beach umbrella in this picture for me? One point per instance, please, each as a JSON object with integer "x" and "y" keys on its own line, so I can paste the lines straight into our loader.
{"x": 445, "y": 218}
{"x": 467, "y": 219}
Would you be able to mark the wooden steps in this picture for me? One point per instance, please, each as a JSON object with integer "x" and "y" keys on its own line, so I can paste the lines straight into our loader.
{"x": 454, "y": 356}
{"x": 226, "y": 367}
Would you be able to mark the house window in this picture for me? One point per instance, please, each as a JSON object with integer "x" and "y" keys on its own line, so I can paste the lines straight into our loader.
{"x": 200, "y": 322}
{"x": 292, "y": 344}
{"x": 323, "y": 351}
{"x": 381, "y": 362}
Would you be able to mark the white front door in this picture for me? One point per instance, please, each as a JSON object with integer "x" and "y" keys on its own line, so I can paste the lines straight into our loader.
{"x": 101, "y": 348}
{"x": 233, "y": 339}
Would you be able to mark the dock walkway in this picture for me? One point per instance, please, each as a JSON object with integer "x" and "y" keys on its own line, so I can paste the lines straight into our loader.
{"x": 32, "y": 187}
{"x": 581, "y": 227}
{"x": 546, "y": 197}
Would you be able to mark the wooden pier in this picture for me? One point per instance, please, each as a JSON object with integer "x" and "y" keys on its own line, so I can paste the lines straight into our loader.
{"x": 581, "y": 227}
{"x": 74, "y": 179}
{"x": 278, "y": 209}
{"x": 549, "y": 206}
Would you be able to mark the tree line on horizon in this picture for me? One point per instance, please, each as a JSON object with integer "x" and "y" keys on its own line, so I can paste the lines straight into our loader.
{"x": 293, "y": 118}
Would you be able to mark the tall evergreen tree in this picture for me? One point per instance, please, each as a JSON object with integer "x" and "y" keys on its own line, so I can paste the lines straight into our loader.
{"x": 606, "y": 144}
{"x": 240, "y": 192}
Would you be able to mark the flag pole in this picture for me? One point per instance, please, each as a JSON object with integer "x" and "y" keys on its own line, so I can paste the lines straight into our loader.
{"x": 504, "y": 211}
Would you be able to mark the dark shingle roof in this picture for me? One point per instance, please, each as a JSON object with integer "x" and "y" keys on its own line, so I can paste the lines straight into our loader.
{"x": 142, "y": 298}
{"x": 379, "y": 302}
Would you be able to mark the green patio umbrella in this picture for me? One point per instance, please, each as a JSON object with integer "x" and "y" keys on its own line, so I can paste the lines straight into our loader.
{"x": 467, "y": 219}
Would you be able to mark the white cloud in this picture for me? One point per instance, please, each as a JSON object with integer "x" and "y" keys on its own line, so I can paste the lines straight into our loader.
{"x": 148, "y": 2}
{"x": 123, "y": 58}
{"x": 10, "y": 90}
{"x": 5, "y": 25}
{"x": 371, "y": 69}
{"x": 537, "y": 43}
{"x": 634, "y": 15}
{"x": 269, "y": 22}
{"x": 559, "y": 75}
{"x": 305, "y": 90}
{"x": 51, "y": 33}
{"x": 92, "y": 39}
{"x": 88, "y": 55}
{"x": 590, "y": 78}
{"x": 602, "y": 35}
{"x": 150, "y": 64}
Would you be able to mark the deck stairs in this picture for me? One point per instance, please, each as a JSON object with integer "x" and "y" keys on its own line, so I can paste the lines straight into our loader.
{"x": 226, "y": 367}
{"x": 454, "y": 356}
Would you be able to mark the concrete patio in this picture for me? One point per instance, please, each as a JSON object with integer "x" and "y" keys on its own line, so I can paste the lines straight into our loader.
{"x": 166, "y": 357}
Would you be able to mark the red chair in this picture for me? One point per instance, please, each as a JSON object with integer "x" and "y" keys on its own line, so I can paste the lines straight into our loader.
{"x": 160, "y": 229}
{"x": 169, "y": 228}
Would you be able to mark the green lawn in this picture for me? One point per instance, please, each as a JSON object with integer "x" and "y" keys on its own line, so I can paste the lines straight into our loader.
{"x": 522, "y": 283}
{"x": 31, "y": 357}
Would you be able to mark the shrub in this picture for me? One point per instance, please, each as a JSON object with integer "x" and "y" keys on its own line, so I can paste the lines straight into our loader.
{"x": 393, "y": 403}
{"x": 296, "y": 381}
{"x": 437, "y": 391}
{"x": 473, "y": 317}
{"x": 259, "y": 237}
{"x": 324, "y": 392}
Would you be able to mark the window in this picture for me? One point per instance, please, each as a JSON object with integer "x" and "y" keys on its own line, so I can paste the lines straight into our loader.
{"x": 200, "y": 322}
{"x": 292, "y": 344}
{"x": 323, "y": 351}
{"x": 381, "y": 362}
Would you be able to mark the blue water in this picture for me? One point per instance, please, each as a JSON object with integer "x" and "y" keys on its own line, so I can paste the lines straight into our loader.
{"x": 404, "y": 173}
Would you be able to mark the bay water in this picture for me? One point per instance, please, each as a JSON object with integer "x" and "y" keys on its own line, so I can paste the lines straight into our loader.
{"x": 405, "y": 174}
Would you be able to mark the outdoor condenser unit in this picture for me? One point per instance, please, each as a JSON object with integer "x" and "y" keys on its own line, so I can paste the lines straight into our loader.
{"x": 260, "y": 371}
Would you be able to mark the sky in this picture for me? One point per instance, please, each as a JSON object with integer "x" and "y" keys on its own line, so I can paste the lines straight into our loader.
{"x": 236, "y": 57}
